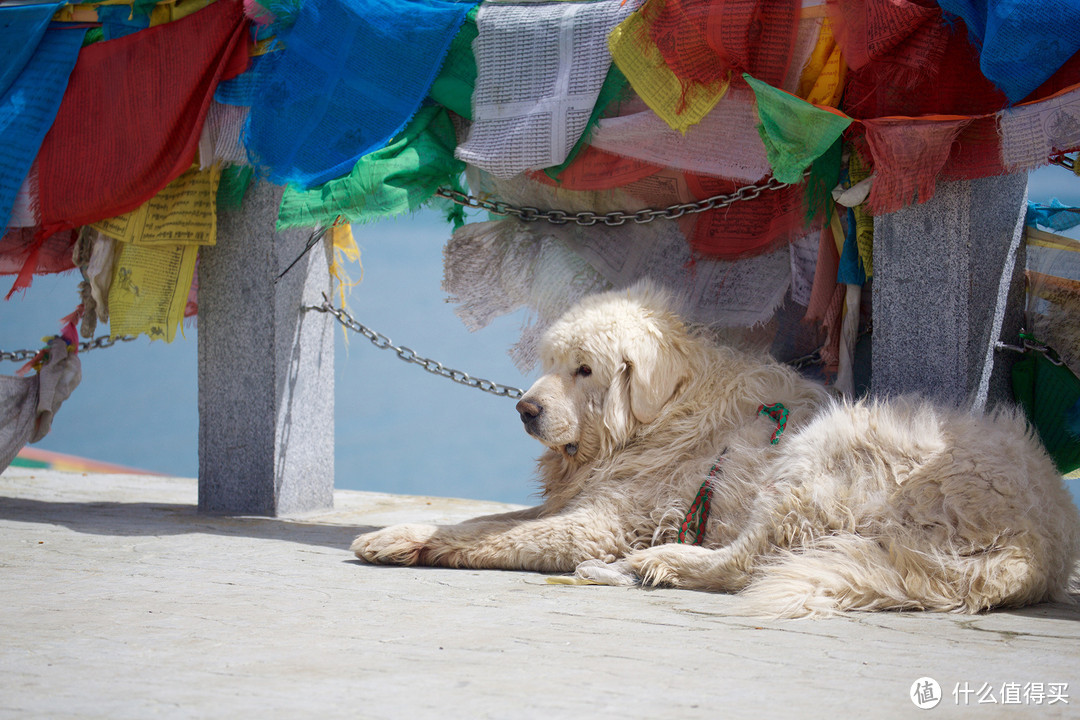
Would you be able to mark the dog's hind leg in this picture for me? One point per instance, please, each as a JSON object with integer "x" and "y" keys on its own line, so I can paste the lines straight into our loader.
{"x": 840, "y": 572}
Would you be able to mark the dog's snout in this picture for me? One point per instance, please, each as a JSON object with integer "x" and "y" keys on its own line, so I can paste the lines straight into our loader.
{"x": 528, "y": 410}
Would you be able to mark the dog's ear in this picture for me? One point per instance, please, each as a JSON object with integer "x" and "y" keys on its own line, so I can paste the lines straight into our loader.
{"x": 652, "y": 369}
{"x": 618, "y": 416}
{"x": 656, "y": 369}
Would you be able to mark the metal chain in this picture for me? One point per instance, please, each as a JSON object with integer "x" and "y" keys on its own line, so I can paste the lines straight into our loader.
{"x": 1030, "y": 343}
{"x": 612, "y": 219}
{"x": 497, "y": 207}
{"x": 101, "y": 342}
{"x": 1064, "y": 161}
{"x": 410, "y": 356}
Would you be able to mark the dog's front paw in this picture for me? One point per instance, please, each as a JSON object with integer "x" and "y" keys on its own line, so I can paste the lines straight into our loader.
{"x": 671, "y": 565}
{"x": 598, "y": 572}
{"x": 394, "y": 545}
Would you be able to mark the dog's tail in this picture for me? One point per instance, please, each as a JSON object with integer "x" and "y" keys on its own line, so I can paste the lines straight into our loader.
{"x": 842, "y": 572}
{"x": 852, "y": 572}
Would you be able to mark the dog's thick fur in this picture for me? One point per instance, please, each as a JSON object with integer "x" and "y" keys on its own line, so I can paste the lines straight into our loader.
{"x": 858, "y": 506}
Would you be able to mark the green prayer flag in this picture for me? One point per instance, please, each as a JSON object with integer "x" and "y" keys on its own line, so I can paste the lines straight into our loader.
{"x": 233, "y": 185}
{"x": 795, "y": 132}
{"x": 453, "y": 87}
{"x": 390, "y": 181}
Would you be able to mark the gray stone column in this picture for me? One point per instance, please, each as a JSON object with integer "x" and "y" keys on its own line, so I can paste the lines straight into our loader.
{"x": 266, "y": 368}
{"x": 937, "y": 271}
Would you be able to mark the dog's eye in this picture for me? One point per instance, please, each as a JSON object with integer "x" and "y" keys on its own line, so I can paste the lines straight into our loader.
{"x": 583, "y": 371}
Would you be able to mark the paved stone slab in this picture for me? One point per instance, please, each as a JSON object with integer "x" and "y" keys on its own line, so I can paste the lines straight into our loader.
{"x": 120, "y": 601}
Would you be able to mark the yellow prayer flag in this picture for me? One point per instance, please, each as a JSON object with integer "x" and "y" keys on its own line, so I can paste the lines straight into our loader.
{"x": 681, "y": 105}
{"x": 185, "y": 212}
{"x": 822, "y": 79}
{"x": 150, "y": 289}
{"x": 164, "y": 11}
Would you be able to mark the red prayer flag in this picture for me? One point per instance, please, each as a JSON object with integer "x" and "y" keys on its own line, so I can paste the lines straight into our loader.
{"x": 908, "y": 155}
{"x": 744, "y": 229}
{"x": 596, "y": 169}
{"x": 132, "y": 114}
{"x": 131, "y": 118}
{"x": 707, "y": 41}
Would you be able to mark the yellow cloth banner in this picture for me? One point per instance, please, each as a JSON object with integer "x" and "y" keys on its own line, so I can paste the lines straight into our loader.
{"x": 822, "y": 79}
{"x": 156, "y": 257}
{"x": 681, "y": 105}
{"x": 165, "y": 11}
{"x": 864, "y": 222}
{"x": 150, "y": 289}
{"x": 184, "y": 212}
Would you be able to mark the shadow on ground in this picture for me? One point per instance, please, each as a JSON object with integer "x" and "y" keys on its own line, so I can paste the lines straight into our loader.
{"x": 158, "y": 519}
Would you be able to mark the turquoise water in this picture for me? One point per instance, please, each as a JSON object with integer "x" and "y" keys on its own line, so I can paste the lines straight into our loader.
{"x": 399, "y": 429}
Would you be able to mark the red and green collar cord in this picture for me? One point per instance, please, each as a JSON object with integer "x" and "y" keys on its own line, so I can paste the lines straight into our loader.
{"x": 692, "y": 530}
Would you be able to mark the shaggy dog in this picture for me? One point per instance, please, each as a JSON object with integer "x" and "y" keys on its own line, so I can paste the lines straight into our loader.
{"x": 820, "y": 505}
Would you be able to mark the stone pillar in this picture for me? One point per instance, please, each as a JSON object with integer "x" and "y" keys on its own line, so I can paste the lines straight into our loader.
{"x": 937, "y": 275}
{"x": 266, "y": 368}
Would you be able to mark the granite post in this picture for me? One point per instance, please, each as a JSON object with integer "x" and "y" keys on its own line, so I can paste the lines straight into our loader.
{"x": 266, "y": 367}
{"x": 938, "y": 274}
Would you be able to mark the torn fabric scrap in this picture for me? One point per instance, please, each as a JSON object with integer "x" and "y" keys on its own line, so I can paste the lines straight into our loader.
{"x": 28, "y": 405}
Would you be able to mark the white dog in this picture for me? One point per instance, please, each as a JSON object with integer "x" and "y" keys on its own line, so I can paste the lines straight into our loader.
{"x": 675, "y": 461}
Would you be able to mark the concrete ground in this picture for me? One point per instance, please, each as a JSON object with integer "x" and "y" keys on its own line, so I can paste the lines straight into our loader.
{"x": 117, "y": 600}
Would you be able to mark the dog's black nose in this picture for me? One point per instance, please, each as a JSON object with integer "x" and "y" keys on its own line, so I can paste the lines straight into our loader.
{"x": 528, "y": 410}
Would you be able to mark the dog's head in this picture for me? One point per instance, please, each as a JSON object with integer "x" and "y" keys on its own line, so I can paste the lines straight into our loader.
{"x": 610, "y": 365}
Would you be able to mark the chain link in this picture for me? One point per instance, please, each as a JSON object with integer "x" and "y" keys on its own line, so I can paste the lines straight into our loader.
{"x": 612, "y": 219}
{"x": 411, "y": 356}
{"x": 100, "y": 342}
